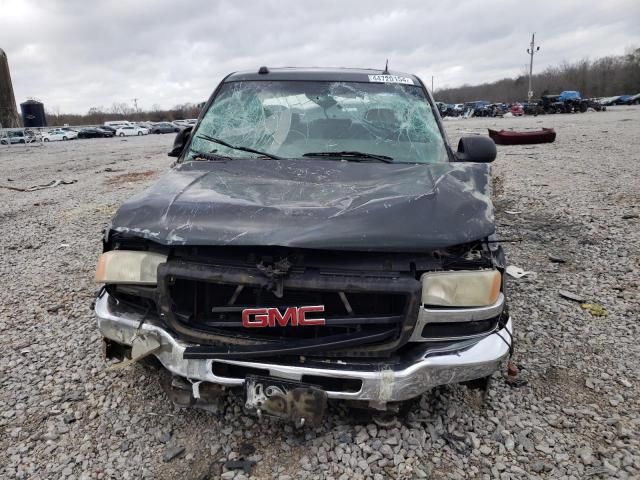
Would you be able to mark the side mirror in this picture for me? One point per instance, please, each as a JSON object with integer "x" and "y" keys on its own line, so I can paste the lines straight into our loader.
{"x": 476, "y": 149}
{"x": 182, "y": 138}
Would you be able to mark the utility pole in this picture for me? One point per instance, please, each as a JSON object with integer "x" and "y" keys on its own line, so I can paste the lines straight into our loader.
{"x": 135, "y": 102}
{"x": 531, "y": 50}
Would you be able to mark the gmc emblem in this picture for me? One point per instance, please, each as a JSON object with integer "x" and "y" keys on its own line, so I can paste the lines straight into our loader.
{"x": 271, "y": 317}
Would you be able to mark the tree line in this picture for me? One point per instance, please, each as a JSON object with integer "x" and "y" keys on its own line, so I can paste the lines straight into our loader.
{"x": 603, "y": 77}
{"x": 124, "y": 111}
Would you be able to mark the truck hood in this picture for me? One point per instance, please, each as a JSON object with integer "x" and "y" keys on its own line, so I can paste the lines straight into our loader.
{"x": 313, "y": 203}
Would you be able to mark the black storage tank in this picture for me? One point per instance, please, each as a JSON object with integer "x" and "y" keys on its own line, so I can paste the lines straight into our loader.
{"x": 33, "y": 114}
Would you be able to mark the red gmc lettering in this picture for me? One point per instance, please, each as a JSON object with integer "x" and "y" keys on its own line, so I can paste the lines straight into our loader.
{"x": 261, "y": 317}
{"x": 272, "y": 317}
{"x": 290, "y": 315}
{"x": 302, "y": 311}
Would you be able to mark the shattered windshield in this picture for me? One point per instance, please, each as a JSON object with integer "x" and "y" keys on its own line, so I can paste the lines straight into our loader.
{"x": 289, "y": 119}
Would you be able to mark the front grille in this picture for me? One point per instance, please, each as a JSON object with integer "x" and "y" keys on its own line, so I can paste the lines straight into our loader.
{"x": 219, "y": 306}
{"x": 365, "y": 316}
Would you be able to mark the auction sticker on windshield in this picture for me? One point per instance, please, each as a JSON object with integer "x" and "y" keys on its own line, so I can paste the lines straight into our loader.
{"x": 390, "y": 79}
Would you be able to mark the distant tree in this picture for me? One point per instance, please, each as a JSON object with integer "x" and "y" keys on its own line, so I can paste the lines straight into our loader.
{"x": 606, "y": 76}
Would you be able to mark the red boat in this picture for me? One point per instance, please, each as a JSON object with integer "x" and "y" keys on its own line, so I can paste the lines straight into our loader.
{"x": 510, "y": 137}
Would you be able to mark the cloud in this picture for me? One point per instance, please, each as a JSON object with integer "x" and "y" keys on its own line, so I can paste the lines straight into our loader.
{"x": 74, "y": 55}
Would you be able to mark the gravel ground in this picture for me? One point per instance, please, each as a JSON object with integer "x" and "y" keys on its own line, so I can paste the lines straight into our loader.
{"x": 574, "y": 204}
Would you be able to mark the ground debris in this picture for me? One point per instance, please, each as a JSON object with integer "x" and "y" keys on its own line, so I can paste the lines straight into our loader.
{"x": 51, "y": 184}
{"x": 244, "y": 465}
{"x": 132, "y": 177}
{"x": 517, "y": 272}
{"x": 595, "y": 309}
{"x": 173, "y": 452}
{"x": 571, "y": 296}
{"x": 556, "y": 259}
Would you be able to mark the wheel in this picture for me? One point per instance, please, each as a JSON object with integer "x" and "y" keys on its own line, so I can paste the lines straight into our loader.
{"x": 122, "y": 134}
{"x": 65, "y": 138}
{"x": 46, "y": 139}
{"x": 3, "y": 142}
{"x": 139, "y": 133}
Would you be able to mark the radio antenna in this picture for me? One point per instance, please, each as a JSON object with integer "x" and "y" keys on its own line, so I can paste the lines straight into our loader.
{"x": 386, "y": 68}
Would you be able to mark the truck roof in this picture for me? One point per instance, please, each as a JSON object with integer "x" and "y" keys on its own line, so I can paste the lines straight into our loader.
{"x": 316, "y": 73}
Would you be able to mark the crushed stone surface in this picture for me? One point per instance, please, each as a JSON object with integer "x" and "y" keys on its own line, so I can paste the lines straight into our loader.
{"x": 62, "y": 415}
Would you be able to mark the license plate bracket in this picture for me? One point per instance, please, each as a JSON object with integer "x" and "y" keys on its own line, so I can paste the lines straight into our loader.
{"x": 301, "y": 403}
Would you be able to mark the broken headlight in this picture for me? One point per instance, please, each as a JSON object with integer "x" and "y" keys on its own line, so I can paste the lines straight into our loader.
{"x": 461, "y": 289}
{"x": 124, "y": 266}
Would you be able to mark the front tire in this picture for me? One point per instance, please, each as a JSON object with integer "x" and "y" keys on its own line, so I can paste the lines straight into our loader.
{"x": 122, "y": 134}
{"x": 46, "y": 139}
{"x": 65, "y": 138}
{"x": 139, "y": 133}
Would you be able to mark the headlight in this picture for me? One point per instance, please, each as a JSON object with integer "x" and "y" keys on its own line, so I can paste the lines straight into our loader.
{"x": 461, "y": 289}
{"x": 123, "y": 266}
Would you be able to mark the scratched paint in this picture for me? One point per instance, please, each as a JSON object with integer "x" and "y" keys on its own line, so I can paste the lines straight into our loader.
{"x": 313, "y": 204}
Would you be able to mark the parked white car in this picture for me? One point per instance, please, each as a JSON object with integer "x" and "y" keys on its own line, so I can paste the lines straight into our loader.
{"x": 129, "y": 130}
{"x": 59, "y": 134}
{"x": 117, "y": 123}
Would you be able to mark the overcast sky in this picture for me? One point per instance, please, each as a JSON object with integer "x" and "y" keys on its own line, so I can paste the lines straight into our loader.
{"x": 73, "y": 55}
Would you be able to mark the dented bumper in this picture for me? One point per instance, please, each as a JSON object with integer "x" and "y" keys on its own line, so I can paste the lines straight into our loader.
{"x": 424, "y": 369}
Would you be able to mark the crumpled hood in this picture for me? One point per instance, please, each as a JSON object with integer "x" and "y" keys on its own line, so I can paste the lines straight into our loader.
{"x": 313, "y": 203}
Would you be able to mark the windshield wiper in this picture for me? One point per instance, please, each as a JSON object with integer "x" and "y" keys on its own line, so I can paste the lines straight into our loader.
{"x": 354, "y": 156}
{"x": 209, "y": 156}
{"x": 235, "y": 147}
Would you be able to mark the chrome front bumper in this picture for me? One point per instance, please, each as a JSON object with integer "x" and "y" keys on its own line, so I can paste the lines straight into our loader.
{"x": 465, "y": 361}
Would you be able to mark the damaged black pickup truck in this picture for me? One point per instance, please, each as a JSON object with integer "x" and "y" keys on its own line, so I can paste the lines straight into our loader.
{"x": 317, "y": 238}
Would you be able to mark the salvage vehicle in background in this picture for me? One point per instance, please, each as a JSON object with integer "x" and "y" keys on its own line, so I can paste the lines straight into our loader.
{"x": 470, "y": 108}
{"x": 130, "y": 130}
{"x": 10, "y": 137}
{"x": 316, "y": 239}
{"x": 59, "y": 134}
{"x": 108, "y": 129}
{"x": 117, "y": 123}
{"x": 95, "y": 132}
{"x": 595, "y": 104}
{"x": 164, "y": 127}
{"x": 626, "y": 100}
{"x": 517, "y": 110}
{"x": 568, "y": 101}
